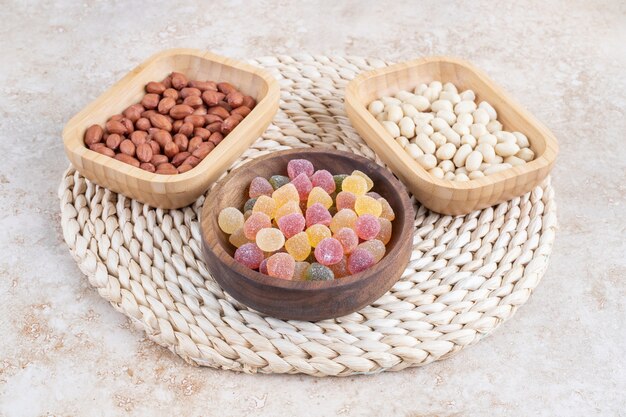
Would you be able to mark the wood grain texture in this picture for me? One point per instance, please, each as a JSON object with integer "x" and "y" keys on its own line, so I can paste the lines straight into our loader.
{"x": 171, "y": 191}
{"x": 445, "y": 196}
{"x": 305, "y": 300}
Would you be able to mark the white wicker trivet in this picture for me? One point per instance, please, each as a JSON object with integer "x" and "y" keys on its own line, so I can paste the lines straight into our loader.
{"x": 467, "y": 274}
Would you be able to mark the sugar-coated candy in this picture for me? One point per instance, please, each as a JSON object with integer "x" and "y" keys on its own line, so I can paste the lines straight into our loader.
{"x": 343, "y": 218}
{"x": 249, "y": 255}
{"x": 375, "y": 247}
{"x": 296, "y": 167}
{"x": 317, "y": 214}
{"x": 354, "y": 184}
{"x": 319, "y": 272}
{"x": 299, "y": 272}
{"x": 373, "y": 194}
{"x": 367, "y": 227}
{"x": 384, "y": 235}
{"x": 303, "y": 185}
{"x": 345, "y": 199}
{"x": 260, "y": 186}
{"x": 299, "y": 246}
{"x": 387, "y": 211}
{"x": 323, "y": 179}
{"x": 289, "y": 207}
{"x": 329, "y": 251}
{"x": 263, "y": 266}
{"x": 318, "y": 195}
{"x": 348, "y": 239}
{"x": 281, "y": 265}
{"x": 368, "y": 180}
{"x": 340, "y": 269}
{"x": 246, "y": 215}
{"x": 254, "y": 223}
{"x": 270, "y": 239}
{"x": 238, "y": 238}
{"x": 291, "y": 224}
{"x": 366, "y": 205}
{"x": 266, "y": 205}
{"x": 339, "y": 180}
{"x": 359, "y": 260}
{"x": 286, "y": 193}
{"x": 249, "y": 205}
{"x": 317, "y": 233}
{"x": 278, "y": 181}
{"x": 230, "y": 219}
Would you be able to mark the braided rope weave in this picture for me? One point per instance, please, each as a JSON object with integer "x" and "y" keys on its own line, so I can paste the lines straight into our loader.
{"x": 467, "y": 274}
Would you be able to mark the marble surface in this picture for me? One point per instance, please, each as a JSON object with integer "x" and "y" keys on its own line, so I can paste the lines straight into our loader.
{"x": 66, "y": 352}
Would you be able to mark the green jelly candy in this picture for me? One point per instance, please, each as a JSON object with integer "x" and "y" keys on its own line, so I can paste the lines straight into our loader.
{"x": 278, "y": 181}
{"x": 249, "y": 204}
{"x": 319, "y": 272}
{"x": 339, "y": 180}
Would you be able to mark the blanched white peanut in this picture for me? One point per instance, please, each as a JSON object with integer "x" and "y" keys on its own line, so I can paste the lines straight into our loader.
{"x": 424, "y": 128}
{"x": 494, "y": 126}
{"x": 407, "y": 127}
{"x": 439, "y": 105}
{"x": 498, "y": 159}
{"x": 461, "y": 155}
{"x": 436, "y": 172}
{"x": 425, "y": 143}
{"x": 475, "y": 174}
{"x": 392, "y": 128}
{"x": 496, "y": 168}
{"x": 420, "y": 102}
{"x": 427, "y": 161}
{"x": 431, "y": 94}
{"x": 436, "y": 86}
{"x": 490, "y": 110}
{"x": 409, "y": 110}
{"x": 452, "y": 136}
{"x": 465, "y": 119}
{"x": 503, "y": 136}
{"x": 376, "y": 107}
{"x": 413, "y": 150}
{"x": 451, "y": 96}
{"x": 438, "y": 138}
{"x": 468, "y": 140}
{"x": 446, "y": 166}
{"x": 461, "y": 129}
{"x": 526, "y": 154}
{"x": 402, "y": 141}
{"x": 488, "y": 138}
{"x": 473, "y": 161}
{"x": 505, "y": 149}
{"x": 438, "y": 124}
{"x": 390, "y": 101}
{"x": 465, "y": 106}
{"x": 489, "y": 154}
{"x": 447, "y": 115}
{"x": 461, "y": 170}
{"x": 403, "y": 95}
{"x": 514, "y": 161}
{"x": 449, "y": 176}
{"x": 521, "y": 140}
{"x": 481, "y": 116}
{"x": 477, "y": 130}
{"x": 461, "y": 177}
{"x": 394, "y": 113}
{"x": 468, "y": 95}
{"x": 381, "y": 117}
{"x": 420, "y": 88}
{"x": 446, "y": 151}
{"x": 449, "y": 88}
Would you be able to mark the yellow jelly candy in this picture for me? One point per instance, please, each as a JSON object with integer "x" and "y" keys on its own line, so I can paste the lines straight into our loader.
{"x": 387, "y": 212}
{"x": 317, "y": 233}
{"x": 289, "y": 207}
{"x": 286, "y": 193}
{"x": 354, "y": 184}
{"x": 368, "y": 180}
{"x": 238, "y": 238}
{"x": 318, "y": 195}
{"x": 230, "y": 219}
{"x": 343, "y": 218}
{"x": 270, "y": 239}
{"x": 266, "y": 205}
{"x": 367, "y": 205}
{"x": 298, "y": 246}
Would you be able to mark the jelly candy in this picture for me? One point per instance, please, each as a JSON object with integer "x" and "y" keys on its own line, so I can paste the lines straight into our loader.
{"x": 324, "y": 180}
{"x": 298, "y": 246}
{"x": 318, "y": 272}
{"x": 297, "y": 166}
{"x": 360, "y": 260}
{"x": 260, "y": 186}
{"x": 318, "y": 195}
{"x": 367, "y": 227}
{"x": 254, "y": 223}
{"x": 317, "y": 233}
{"x": 291, "y": 224}
{"x": 278, "y": 181}
{"x": 368, "y": 180}
{"x": 384, "y": 235}
{"x": 290, "y": 207}
{"x": 338, "y": 180}
{"x": 373, "y": 194}
{"x": 317, "y": 214}
{"x": 266, "y": 205}
{"x": 387, "y": 211}
{"x": 286, "y": 193}
{"x": 249, "y": 205}
{"x": 263, "y": 266}
{"x": 343, "y": 218}
{"x": 345, "y": 199}
{"x": 246, "y": 215}
{"x": 354, "y": 184}
{"x": 303, "y": 185}
{"x": 375, "y": 247}
{"x": 230, "y": 219}
{"x": 348, "y": 239}
{"x": 281, "y": 265}
{"x": 249, "y": 255}
{"x": 365, "y": 205}
{"x": 300, "y": 271}
{"x": 329, "y": 251}
{"x": 270, "y": 239}
{"x": 340, "y": 269}
{"x": 238, "y": 238}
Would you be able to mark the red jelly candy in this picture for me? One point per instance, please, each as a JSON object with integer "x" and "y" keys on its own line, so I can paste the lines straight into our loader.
{"x": 329, "y": 251}
{"x": 367, "y": 226}
{"x": 324, "y": 180}
{"x": 260, "y": 186}
{"x": 303, "y": 185}
{"x": 291, "y": 224}
{"x": 281, "y": 265}
{"x": 317, "y": 214}
{"x": 249, "y": 255}
{"x": 348, "y": 239}
{"x": 360, "y": 260}
{"x": 296, "y": 167}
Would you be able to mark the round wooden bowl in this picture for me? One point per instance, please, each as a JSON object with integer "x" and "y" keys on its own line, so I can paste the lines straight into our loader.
{"x": 305, "y": 300}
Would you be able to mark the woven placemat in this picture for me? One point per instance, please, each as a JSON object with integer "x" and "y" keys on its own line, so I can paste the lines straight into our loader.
{"x": 467, "y": 274}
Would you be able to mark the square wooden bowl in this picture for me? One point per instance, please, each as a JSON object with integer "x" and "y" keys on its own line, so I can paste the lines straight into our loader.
{"x": 171, "y": 191}
{"x": 445, "y": 196}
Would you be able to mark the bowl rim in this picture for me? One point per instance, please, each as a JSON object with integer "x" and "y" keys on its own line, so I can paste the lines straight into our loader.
{"x": 74, "y": 143}
{"x": 355, "y": 102}
{"x": 408, "y": 219}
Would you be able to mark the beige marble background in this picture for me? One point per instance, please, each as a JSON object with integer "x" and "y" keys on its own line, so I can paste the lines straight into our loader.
{"x": 65, "y": 352}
